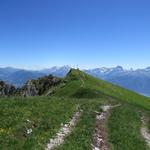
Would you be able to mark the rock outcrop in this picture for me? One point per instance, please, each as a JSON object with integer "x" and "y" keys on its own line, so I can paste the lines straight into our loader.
{"x": 6, "y": 89}
{"x": 39, "y": 86}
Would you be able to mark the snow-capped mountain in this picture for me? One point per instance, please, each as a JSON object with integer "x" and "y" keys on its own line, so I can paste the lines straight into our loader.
{"x": 57, "y": 71}
{"x": 104, "y": 72}
{"x": 137, "y": 80}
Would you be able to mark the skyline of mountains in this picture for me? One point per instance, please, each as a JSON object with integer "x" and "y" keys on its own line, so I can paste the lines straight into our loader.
{"x": 137, "y": 80}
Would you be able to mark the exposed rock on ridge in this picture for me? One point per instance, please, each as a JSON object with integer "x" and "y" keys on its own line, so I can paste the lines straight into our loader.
{"x": 39, "y": 86}
{"x": 6, "y": 89}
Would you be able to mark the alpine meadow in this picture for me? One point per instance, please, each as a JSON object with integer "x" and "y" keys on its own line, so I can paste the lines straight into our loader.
{"x": 74, "y": 75}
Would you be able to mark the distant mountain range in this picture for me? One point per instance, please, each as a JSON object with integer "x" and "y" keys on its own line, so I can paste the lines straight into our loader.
{"x": 18, "y": 77}
{"x": 137, "y": 80}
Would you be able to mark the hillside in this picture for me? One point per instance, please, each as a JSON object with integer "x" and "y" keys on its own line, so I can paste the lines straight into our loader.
{"x": 85, "y": 113}
{"x": 44, "y": 85}
{"x": 136, "y": 80}
{"x": 81, "y": 85}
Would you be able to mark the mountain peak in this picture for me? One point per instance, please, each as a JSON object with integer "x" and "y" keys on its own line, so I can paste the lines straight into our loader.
{"x": 119, "y": 68}
{"x": 147, "y": 69}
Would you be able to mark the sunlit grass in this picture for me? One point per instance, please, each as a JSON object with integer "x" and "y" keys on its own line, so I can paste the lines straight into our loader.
{"x": 42, "y": 115}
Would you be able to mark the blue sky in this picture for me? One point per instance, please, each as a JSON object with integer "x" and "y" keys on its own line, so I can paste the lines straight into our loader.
{"x": 38, "y": 34}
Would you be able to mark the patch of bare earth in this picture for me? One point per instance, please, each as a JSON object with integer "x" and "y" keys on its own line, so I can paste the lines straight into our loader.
{"x": 64, "y": 131}
{"x": 144, "y": 131}
{"x": 100, "y": 135}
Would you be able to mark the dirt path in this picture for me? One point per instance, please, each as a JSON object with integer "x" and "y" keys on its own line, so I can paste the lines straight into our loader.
{"x": 100, "y": 135}
{"x": 144, "y": 131}
{"x": 64, "y": 131}
{"x": 82, "y": 77}
{"x": 82, "y": 83}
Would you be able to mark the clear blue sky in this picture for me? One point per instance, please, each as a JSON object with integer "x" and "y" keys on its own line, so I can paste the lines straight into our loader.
{"x": 91, "y": 33}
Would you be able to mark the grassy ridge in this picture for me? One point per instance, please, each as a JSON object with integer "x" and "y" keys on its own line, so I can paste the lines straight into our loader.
{"x": 99, "y": 88}
{"x": 125, "y": 119}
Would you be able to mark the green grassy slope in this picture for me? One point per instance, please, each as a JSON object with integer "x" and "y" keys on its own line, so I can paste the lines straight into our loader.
{"x": 124, "y": 122}
{"x": 124, "y": 129}
{"x": 94, "y": 88}
{"x": 47, "y": 114}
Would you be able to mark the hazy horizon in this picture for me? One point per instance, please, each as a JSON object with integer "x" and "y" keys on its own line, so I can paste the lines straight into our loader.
{"x": 71, "y": 66}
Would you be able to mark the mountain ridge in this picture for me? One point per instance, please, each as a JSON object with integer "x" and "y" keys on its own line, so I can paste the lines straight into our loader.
{"x": 137, "y": 80}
